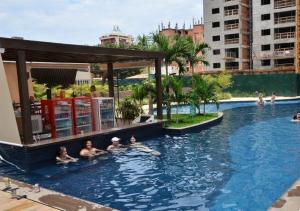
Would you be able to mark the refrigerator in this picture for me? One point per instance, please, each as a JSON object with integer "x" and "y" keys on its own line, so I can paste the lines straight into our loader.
{"x": 104, "y": 113}
{"x": 58, "y": 117}
{"x": 83, "y": 115}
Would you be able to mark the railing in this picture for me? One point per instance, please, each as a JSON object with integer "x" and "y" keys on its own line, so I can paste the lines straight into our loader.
{"x": 232, "y": 41}
{"x": 231, "y": 26}
{"x": 285, "y": 35}
{"x": 232, "y": 68}
{"x": 287, "y": 19}
{"x": 284, "y": 52}
{"x": 231, "y": 55}
{"x": 231, "y": 12}
{"x": 285, "y": 65}
{"x": 283, "y": 4}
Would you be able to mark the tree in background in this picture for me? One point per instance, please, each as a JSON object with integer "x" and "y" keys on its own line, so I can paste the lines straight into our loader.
{"x": 196, "y": 53}
{"x": 139, "y": 93}
{"x": 177, "y": 95}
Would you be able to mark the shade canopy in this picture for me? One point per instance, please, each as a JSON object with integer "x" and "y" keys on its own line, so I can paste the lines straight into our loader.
{"x": 37, "y": 51}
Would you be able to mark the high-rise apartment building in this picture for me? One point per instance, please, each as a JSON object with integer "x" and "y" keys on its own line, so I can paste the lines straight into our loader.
{"x": 252, "y": 34}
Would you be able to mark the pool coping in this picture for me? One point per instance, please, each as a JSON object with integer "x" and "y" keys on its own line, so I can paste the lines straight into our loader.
{"x": 196, "y": 127}
{"x": 290, "y": 200}
{"x": 53, "y": 199}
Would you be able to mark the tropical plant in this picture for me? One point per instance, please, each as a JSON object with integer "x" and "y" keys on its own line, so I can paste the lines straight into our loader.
{"x": 139, "y": 93}
{"x": 177, "y": 95}
{"x": 149, "y": 86}
{"x": 128, "y": 109}
{"x": 39, "y": 91}
{"x": 203, "y": 90}
{"x": 175, "y": 50}
{"x": 196, "y": 53}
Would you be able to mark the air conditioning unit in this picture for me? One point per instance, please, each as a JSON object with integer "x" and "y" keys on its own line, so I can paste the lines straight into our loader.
{"x": 37, "y": 125}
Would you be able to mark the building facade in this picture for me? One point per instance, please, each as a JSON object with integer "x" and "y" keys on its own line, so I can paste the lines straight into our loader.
{"x": 116, "y": 37}
{"x": 251, "y": 35}
{"x": 196, "y": 31}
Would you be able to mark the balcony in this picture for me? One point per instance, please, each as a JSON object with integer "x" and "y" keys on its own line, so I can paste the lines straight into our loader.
{"x": 232, "y": 41}
{"x": 231, "y": 26}
{"x": 279, "y": 4}
{"x": 284, "y": 52}
{"x": 285, "y": 35}
{"x": 231, "y": 12}
{"x": 288, "y": 19}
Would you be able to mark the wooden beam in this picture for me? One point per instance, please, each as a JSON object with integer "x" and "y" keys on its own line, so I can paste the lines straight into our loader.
{"x": 24, "y": 98}
{"x": 158, "y": 89}
{"x": 110, "y": 78}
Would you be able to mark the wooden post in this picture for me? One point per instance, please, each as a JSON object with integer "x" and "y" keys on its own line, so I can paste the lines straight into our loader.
{"x": 24, "y": 98}
{"x": 110, "y": 78}
{"x": 158, "y": 89}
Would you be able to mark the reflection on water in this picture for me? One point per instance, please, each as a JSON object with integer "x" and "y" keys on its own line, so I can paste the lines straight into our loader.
{"x": 237, "y": 165}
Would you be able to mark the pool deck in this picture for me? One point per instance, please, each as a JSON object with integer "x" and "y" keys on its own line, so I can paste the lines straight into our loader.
{"x": 289, "y": 201}
{"x": 44, "y": 200}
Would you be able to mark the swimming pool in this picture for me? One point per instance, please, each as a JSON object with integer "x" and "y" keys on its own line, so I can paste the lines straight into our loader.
{"x": 245, "y": 163}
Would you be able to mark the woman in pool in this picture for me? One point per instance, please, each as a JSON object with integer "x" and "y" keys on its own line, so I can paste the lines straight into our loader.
{"x": 63, "y": 156}
{"x": 89, "y": 151}
{"x": 115, "y": 146}
{"x": 140, "y": 147}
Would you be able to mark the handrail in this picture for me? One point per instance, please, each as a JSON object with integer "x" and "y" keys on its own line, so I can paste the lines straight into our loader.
{"x": 287, "y": 19}
{"x": 285, "y": 35}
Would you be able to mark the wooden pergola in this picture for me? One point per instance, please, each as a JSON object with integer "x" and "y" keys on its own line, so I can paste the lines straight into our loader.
{"x": 23, "y": 51}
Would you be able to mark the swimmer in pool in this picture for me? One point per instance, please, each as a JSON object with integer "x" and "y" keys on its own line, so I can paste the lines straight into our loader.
{"x": 115, "y": 146}
{"x": 296, "y": 118}
{"x": 63, "y": 156}
{"x": 89, "y": 151}
{"x": 140, "y": 147}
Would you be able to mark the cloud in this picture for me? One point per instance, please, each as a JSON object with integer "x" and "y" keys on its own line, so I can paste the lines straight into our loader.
{"x": 83, "y": 21}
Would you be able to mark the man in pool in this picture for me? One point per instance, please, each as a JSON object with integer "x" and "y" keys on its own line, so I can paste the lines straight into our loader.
{"x": 140, "y": 147}
{"x": 63, "y": 157}
{"x": 89, "y": 151}
{"x": 115, "y": 146}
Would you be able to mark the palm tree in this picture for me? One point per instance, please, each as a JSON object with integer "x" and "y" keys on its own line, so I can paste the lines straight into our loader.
{"x": 178, "y": 95}
{"x": 139, "y": 93}
{"x": 174, "y": 49}
{"x": 203, "y": 90}
{"x": 196, "y": 53}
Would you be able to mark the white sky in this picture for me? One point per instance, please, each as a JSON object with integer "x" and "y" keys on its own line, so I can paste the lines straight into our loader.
{"x": 83, "y": 21}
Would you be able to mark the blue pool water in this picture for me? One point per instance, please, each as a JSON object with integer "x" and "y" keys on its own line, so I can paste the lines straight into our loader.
{"x": 245, "y": 163}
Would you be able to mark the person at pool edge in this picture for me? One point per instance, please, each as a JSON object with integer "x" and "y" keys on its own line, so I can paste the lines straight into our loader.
{"x": 273, "y": 97}
{"x": 63, "y": 156}
{"x": 115, "y": 145}
{"x": 260, "y": 101}
{"x": 139, "y": 146}
{"x": 89, "y": 151}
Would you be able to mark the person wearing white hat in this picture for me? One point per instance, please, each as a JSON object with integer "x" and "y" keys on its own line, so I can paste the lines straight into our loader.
{"x": 115, "y": 145}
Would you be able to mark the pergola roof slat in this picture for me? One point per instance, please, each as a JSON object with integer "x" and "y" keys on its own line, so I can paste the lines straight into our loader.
{"x": 37, "y": 51}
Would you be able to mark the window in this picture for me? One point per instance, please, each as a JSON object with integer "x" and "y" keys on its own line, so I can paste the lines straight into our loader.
{"x": 215, "y": 10}
{"x": 265, "y": 32}
{"x": 266, "y": 62}
{"x": 265, "y": 17}
{"x": 216, "y": 65}
{"x": 215, "y": 24}
{"x": 266, "y": 47}
{"x": 216, "y": 52}
{"x": 265, "y": 2}
{"x": 216, "y": 38}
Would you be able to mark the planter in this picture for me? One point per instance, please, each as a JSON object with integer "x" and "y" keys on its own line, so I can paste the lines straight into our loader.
{"x": 194, "y": 128}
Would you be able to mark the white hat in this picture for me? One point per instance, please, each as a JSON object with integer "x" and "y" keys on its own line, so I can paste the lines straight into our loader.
{"x": 115, "y": 139}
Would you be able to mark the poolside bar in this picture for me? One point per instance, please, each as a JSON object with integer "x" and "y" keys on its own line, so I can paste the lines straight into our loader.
{"x": 24, "y": 51}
